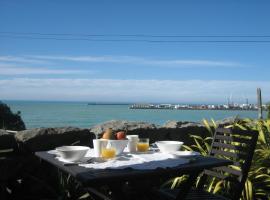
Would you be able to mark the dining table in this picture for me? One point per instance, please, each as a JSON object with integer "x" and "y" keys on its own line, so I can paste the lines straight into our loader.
{"x": 91, "y": 177}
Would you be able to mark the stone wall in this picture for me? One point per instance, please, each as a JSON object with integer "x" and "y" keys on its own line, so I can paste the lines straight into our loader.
{"x": 42, "y": 139}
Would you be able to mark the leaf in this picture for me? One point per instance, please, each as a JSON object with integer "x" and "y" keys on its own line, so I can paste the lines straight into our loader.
{"x": 197, "y": 137}
{"x": 218, "y": 187}
{"x": 208, "y": 147}
{"x": 211, "y": 184}
{"x": 86, "y": 195}
{"x": 198, "y": 145}
{"x": 262, "y": 137}
{"x": 240, "y": 126}
{"x": 267, "y": 125}
{"x": 187, "y": 147}
{"x": 248, "y": 190}
{"x": 229, "y": 126}
{"x": 207, "y": 126}
{"x": 214, "y": 123}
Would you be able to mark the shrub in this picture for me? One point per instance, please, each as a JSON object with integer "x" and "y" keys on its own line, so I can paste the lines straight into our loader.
{"x": 10, "y": 120}
{"x": 257, "y": 185}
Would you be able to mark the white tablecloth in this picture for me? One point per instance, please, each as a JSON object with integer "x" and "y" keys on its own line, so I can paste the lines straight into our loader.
{"x": 142, "y": 161}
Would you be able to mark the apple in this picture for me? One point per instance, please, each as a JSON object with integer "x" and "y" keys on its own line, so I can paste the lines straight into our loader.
{"x": 121, "y": 135}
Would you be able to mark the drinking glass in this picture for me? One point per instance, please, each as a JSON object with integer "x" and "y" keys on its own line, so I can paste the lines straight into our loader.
{"x": 108, "y": 152}
{"x": 143, "y": 145}
{"x": 99, "y": 144}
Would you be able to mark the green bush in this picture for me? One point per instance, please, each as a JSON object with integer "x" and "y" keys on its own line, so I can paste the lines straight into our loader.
{"x": 257, "y": 186}
{"x": 10, "y": 120}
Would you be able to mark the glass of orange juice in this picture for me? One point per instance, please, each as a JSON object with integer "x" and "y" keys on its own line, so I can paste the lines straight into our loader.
{"x": 143, "y": 145}
{"x": 108, "y": 153}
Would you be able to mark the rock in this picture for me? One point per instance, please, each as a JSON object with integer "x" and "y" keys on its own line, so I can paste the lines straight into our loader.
{"x": 179, "y": 124}
{"x": 137, "y": 128}
{"x": 42, "y": 139}
{"x": 181, "y": 131}
{"x": 10, "y": 120}
{"x": 7, "y": 140}
{"x": 172, "y": 130}
{"x": 227, "y": 121}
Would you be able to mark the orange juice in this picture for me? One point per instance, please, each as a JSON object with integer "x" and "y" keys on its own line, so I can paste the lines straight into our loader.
{"x": 142, "y": 147}
{"x": 108, "y": 153}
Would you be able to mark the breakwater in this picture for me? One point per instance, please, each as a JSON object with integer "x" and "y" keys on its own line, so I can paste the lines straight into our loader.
{"x": 251, "y": 107}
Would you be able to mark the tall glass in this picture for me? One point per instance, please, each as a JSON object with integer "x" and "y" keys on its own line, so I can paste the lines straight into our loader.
{"x": 143, "y": 145}
{"x": 108, "y": 152}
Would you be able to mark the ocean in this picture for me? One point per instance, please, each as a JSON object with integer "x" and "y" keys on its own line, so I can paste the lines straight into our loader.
{"x": 80, "y": 114}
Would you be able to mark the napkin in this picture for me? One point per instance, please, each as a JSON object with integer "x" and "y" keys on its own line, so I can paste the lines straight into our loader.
{"x": 140, "y": 161}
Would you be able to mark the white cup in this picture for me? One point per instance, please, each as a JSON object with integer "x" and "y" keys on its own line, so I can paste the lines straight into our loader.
{"x": 99, "y": 144}
{"x": 132, "y": 142}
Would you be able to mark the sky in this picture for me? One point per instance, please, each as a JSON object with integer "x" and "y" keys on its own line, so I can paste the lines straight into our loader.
{"x": 119, "y": 51}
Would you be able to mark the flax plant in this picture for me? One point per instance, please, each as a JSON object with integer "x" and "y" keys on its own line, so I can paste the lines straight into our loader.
{"x": 257, "y": 186}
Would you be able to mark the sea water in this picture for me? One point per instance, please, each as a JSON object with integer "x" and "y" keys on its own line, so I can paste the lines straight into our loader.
{"x": 80, "y": 114}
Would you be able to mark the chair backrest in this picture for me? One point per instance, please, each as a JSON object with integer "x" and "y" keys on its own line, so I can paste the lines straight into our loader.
{"x": 238, "y": 146}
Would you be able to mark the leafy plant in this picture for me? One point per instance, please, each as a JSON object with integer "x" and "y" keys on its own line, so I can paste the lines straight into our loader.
{"x": 69, "y": 188}
{"x": 257, "y": 185}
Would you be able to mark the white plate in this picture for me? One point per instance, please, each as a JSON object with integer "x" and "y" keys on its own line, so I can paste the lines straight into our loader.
{"x": 54, "y": 152}
{"x": 185, "y": 153}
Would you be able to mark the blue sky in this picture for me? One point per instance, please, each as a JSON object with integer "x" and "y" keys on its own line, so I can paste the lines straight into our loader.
{"x": 81, "y": 70}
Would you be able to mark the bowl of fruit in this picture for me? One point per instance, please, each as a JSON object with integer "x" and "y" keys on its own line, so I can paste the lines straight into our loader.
{"x": 117, "y": 140}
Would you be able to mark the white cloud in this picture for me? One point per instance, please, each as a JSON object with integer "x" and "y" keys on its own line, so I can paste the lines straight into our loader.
{"x": 140, "y": 61}
{"x": 21, "y": 59}
{"x": 13, "y": 69}
{"x": 116, "y": 90}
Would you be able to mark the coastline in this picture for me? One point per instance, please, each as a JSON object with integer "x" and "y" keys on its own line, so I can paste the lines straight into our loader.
{"x": 78, "y": 114}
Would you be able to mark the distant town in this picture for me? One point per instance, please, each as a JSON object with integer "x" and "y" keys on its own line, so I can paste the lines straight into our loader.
{"x": 231, "y": 106}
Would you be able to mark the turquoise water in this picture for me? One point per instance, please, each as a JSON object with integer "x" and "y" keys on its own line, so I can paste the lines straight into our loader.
{"x": 79, "y": 114}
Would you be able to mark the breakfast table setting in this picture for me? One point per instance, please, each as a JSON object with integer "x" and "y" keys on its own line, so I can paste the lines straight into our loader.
{"x": 126, "y": 159}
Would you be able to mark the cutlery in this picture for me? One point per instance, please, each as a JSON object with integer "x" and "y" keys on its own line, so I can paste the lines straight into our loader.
{"x": 91, "y": 160}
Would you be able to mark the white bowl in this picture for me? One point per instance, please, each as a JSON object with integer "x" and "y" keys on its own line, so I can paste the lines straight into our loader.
{"x": 169, "y": 146}
{"x": 119, "y": 145}
{"x": 72, "y": 153}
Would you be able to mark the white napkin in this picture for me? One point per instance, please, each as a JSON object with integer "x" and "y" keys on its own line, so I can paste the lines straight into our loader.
{"x": 141, "y": 161}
